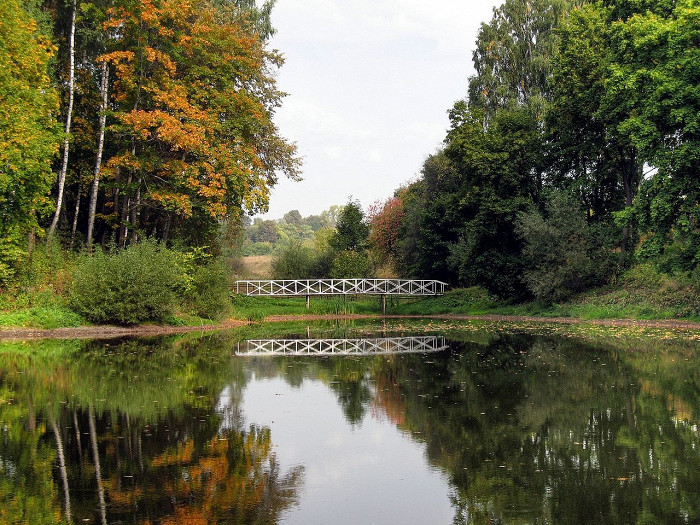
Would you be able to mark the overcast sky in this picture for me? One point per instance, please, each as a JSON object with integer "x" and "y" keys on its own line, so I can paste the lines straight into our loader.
{"x": 370, "y": 83}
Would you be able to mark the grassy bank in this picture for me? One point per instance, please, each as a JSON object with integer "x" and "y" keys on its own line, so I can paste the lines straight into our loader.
{"x": 640, "y": 293}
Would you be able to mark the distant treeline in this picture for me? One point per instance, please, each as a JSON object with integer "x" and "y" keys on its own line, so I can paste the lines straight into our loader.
{"x": 267, "y": 236}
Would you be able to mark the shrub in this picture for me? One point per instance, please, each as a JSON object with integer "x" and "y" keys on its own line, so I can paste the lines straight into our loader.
{"x": 208, "y": 292}
{"x": 564, "y": 254}
{"x": 127, "y": 287}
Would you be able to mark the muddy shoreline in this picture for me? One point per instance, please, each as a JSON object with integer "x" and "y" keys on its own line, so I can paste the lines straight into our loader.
{"x": 108, "y": 332}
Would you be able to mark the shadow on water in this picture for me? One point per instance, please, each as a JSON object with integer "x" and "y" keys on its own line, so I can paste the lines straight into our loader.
{"x": 523, "y": 428}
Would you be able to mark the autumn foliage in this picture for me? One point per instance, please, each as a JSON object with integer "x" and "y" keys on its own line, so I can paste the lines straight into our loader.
{"x": 385, "y": 224}
{"x": 172, "y": 123}
{"x": 195, "y": 99}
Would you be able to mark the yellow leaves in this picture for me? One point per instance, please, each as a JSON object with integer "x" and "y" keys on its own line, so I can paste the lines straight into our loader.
{"x": 116, "y": 57}
{"x": 149, "y": 13}
{"x": 194, "y": 93}
{"x": 176, "y": 202}
{"x": 154, "y": 55}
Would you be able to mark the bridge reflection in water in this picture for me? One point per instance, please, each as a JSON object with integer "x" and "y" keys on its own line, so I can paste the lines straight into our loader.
{"x": 324, "y": 347}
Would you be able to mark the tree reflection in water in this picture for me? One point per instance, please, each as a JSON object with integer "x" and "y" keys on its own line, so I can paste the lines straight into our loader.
{"x": 170, "y": 458}
{"x": 544, "y": 429}
{"x": 527, "y": 429}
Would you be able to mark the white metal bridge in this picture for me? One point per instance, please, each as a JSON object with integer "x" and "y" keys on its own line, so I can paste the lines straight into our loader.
{"x": 329, "y": 347}
{"x": 307, "y": 287}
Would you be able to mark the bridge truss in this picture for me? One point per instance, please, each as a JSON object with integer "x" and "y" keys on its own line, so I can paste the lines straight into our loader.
{"x": 307, "y": 287}
{"x": 328, "y": 347}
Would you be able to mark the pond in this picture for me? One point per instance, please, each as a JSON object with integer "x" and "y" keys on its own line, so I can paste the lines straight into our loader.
{"x": 426, "y": 422}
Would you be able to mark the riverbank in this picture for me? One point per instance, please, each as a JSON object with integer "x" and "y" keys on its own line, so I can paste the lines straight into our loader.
{"x": 109, "y": 332}
{"x": 640, "y": 298}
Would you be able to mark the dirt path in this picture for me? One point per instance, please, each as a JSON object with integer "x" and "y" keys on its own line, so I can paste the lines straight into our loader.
{"x": 106, "y": 332}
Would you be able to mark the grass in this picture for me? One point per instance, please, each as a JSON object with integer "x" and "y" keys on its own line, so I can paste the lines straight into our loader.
{"x": 640, "y": 293}
{"x": 257, "y": 266}
{"x": 258, "y": 308}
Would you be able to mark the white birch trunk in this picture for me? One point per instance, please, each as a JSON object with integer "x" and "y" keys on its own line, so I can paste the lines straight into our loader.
{"x": 69, "y": 117}
{"x": 104, "y": 83}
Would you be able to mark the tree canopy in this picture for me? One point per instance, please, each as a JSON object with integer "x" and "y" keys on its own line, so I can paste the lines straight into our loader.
{"x": 172, "y": 106}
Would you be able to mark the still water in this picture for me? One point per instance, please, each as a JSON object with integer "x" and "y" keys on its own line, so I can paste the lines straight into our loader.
{"x": 469, "y": 423}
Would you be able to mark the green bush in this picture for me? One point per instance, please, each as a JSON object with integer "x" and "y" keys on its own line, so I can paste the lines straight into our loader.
{"x": 127, "y": 287}
{"x": 208, "y": 292}
{"x": 565, "y": 254}
{"x": 257, "y": 248}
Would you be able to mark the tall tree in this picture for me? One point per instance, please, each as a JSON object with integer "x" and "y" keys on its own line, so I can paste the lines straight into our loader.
{"x": 385, "y": 224}
{"x": 28, "y": 135}
{"x": 351, "y": 230}
{"x": 513, "y": 55}
{"x": 97, "y": 171}
{"x": 590, "y": 156}
{"x": 498, "y": 172}
{"x": 195, "y": 100}
{"x": 655, "y": 86}
{"x": 69, "y": 118}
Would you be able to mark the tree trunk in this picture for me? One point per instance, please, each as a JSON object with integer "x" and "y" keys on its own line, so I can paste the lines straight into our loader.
{"x": 136, "y": 212}
{"x": 69, "y": 116}
{"x": 31, "y": 241}
{"x": 104, "y": 83}
{"x": 76, "y": 212}
{"x": 632, "y": 174}
{"x": 166, "y": 230}
{"x": 76, "y": 427}
{"x": 62, "y": 468}
{"x": 96, "y": 461}
{"x": 123, "y": 228}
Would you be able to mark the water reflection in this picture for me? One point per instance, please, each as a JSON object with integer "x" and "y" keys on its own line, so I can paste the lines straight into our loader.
{"x": 345, "y": 346}
{"x": 500, "y": 427}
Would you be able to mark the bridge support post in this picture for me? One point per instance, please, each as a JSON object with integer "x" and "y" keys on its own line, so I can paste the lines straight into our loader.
{"x": 383, "y": 304}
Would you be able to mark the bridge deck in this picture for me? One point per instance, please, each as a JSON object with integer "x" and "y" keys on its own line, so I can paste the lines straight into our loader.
{"x": 306, "y": 287}
{"x": 324, "y": 347}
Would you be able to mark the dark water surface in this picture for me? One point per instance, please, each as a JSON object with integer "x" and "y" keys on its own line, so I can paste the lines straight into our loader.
{"x": 501, "y": 426}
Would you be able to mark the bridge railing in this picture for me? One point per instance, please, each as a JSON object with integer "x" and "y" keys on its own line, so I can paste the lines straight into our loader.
{"x": 383, "y": 345}
{"x": 296, "y": 287}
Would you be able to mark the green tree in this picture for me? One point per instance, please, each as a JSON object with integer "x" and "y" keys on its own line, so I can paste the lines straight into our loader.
{"x": 589, "y": 155}
{"x": 293, "y": 217}
{"x": 295, "y": 261}
{"x": 513, "y": 55}
{"x": 351, "y": 229}
{"x": 498, "y": 169}
{"x": 28, "y": 131}
{"x": 351, "y": 264}
{"x": 654, "y": 85}
{"x": 429, "y": 227}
